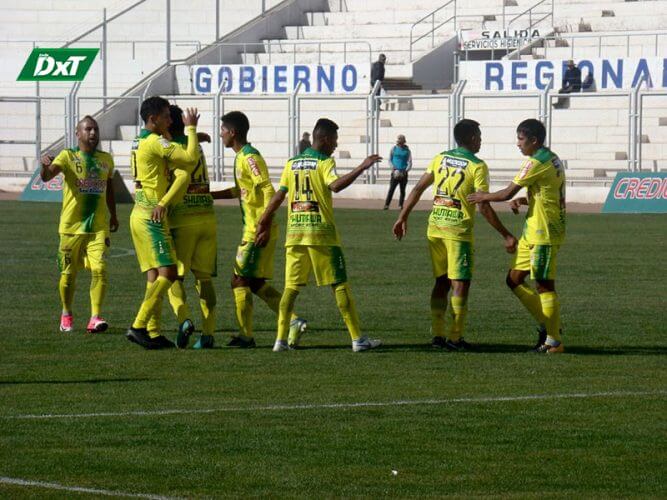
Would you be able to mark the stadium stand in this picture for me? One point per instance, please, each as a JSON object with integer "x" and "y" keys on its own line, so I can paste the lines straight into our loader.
{"x": 591, "y": 135}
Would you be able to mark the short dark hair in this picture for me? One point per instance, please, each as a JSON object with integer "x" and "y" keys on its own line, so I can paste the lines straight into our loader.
{"x": 152, "y": 106}
{"x": 324, "y": 128}
{"x": 238, "y": 122}
{"x": 85, "y": 119}
{"x": 177, "y": 127}
{"x": 533, "y": 128}
{"x": 465, "y": 130}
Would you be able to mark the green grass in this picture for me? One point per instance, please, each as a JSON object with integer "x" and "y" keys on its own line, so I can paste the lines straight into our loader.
{"x": 611, "y": 282}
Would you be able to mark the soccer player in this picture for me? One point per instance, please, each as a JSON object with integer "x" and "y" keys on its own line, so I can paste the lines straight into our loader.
{"x": 455, "y": 174}
{"x": 254, "y": 264}
{"x": 88, "y": 214}
{"x": 543, "y": 176}
{"x": 154, "y": 160}
{"x": 312, "y": 242}
{"x": 193, "y": 229}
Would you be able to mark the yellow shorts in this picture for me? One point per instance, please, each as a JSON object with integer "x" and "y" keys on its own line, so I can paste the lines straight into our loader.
{"x": 255, "y": 262}
{"x": 326, "y": 262}
{"x": 152, "y": 243}
{"x": 196, "y": 248}
{"x": 451, "y": 257}
{"x": 83, "y": 250}
{"x": 540, "y": 260}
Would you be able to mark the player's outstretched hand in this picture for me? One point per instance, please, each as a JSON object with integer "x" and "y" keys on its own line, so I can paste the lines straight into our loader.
{"x": 510, "y": 243}
{"x": 516, "y": 203}
{"x": 400, "y": 229}
{"x": 369, "y": 161}
{"x": 158, "y": 213}
{"x": 113, "y": 224}
{"x": 203, "y": 137}
{"x": 190, "y": 117}
{"x": 477, "y": 197}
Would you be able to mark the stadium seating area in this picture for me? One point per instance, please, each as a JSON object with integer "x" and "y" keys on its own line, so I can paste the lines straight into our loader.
{"x": 591, "y": 135}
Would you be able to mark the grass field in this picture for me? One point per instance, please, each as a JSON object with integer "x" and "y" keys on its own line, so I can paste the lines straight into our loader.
{"x": 322, "y": 421}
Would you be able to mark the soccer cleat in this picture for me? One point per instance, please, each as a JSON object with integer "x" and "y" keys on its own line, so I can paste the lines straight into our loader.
{"x": 541, "y": 338}
{"x": 66, "y": 323}
{"x": 185, "y": 329}
{"x": 364, "y": 344}
{"x": 204, "y": 342}
{"x": 242, "y": 342}
{"x": 551, "y": 349}
{"x": 296, "y": 329}
{"x": 97, "y": 325}
{"x": 438, "y": 342}
{"x": 161, "y": 342}
{"x": 140, "y": 336}
{"x": 458, "y": 346}
{"x": 281, "y": 345}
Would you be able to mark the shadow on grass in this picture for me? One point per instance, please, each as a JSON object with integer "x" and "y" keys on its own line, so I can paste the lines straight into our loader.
{"x": 67, "y": 382}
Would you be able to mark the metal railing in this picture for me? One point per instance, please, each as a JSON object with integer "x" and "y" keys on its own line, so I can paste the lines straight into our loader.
{"x": 434, "y": 28}
{"x": 533, "y": 17}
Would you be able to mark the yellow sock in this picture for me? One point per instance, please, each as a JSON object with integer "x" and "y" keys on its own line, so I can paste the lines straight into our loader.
{"x": 438, "y": 310}
{"x": 178, "y": 302}
{"x": 152, "y": 301}
{"x": 243, "y": 301}
{"x": 347, "y": 309}
{"x": 153, "y": 325}
{"x": 207, "y": 302}
{"x": 551, "y": 310}
{"x": 531, "y": 301}
{"x": 285, "y": 312}
{"x": 459, "y": 313}
{"x": 271, "y": 297}
{"x": 66, "y": 289}
{"x": 98, "y": 288}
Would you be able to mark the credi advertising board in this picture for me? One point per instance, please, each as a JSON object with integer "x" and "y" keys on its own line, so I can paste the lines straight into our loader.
{"x": 495, "y": 38}
{"x": 638, "y": 192}
{"x": 609, "y": 74}
{"x": 281, "y": 78}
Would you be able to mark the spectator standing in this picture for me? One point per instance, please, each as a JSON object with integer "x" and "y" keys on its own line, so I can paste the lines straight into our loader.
{"x": 400, "y": 160}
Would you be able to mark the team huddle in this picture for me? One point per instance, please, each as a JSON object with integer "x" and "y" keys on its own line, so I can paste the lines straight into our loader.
{"x": 173, "y": 228}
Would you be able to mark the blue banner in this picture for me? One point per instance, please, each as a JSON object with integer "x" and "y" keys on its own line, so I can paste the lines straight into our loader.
{"x": 638, "y": 192}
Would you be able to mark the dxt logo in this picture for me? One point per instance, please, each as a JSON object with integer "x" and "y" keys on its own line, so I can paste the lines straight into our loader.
{"x": 58, "y": 64}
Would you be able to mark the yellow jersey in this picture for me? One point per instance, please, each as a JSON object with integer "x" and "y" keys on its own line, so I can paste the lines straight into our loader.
{"x": 152, "y": 160}
{"x": 544, "y": 177}
{"x": 457, "y": 173}
{"x": 196, "y": 205}
{"x": 84, "y": 208}
{"x": 306, "y": 179}
{"x": 251, "y": 177}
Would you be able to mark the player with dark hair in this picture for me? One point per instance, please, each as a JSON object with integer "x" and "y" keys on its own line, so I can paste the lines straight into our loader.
{"x": 312, "y": 242}
{"x": 154, "y": 160}
{"x": 455, "y": 174}
{"x": 193, "y": 229}
{"x": 88, "y": 214}
{"x": 543, "y": 233}
{"x": 254, "y": 264}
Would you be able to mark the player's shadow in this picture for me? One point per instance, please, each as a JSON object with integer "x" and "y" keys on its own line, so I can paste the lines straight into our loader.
{"x": 619, "y": 350}
{"x": 92, "y": 381}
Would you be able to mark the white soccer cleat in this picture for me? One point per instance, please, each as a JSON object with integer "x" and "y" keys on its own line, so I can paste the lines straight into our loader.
{"x": 280, "y": 345}
{"x": 296, "y": 329}
{"x": 364, "y": 344}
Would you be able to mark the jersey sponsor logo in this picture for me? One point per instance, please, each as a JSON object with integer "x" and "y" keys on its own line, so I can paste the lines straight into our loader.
{"x": 305, "y": 206}
{"x": 91, "y": 185}
{"x": 198, "y": 188}
{"x": 253, "y": 166}
{"x": 164, "y": 142}
{"x": 525, "y": 168}
{"x": 304, "y": 165}
{"x": 69, "y": 64}
{"x": 455, "y": 162}
{"x": 446, "y": 201}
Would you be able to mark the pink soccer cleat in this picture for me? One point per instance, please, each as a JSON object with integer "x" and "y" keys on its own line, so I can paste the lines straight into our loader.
{"x": 97, "y": 325}
{"x": 66, "y": 323}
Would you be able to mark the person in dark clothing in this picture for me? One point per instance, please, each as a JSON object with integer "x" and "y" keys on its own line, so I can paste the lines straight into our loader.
{"x": 571, "y": 83}
{"x": 304, "y": 143}
{"x": 400, "y": 160}
{"x": 377, "y": 74}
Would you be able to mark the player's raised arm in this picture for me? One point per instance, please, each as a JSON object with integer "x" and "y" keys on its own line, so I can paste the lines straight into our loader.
{"x": 400, "y": 228}
{"x": 181, "y": 158}
{"x": 345, "y": 180}
{"x": 49, "y": 169}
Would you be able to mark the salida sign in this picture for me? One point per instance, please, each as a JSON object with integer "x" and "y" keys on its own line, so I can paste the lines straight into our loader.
{"x": 57, "y": 64}
{"x": 496, "y": 39}
{"x": 638, "y": 192}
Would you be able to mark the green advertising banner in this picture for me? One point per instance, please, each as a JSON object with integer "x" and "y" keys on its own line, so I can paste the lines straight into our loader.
{"x": 69, "y": 65}
{"x": 637, "y": 192}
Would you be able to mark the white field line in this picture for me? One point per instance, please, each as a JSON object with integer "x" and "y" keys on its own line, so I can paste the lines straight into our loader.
{"x": 78, "y": 489}
{"x": 317, "y": 406}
